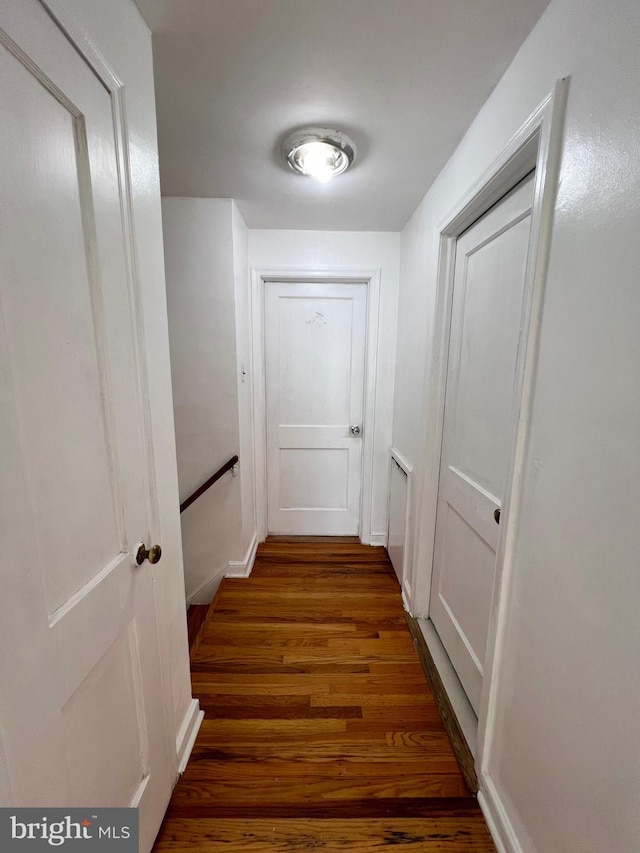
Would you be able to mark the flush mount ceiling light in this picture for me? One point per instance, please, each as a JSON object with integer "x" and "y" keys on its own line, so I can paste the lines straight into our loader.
{"x": 319, "y": 152}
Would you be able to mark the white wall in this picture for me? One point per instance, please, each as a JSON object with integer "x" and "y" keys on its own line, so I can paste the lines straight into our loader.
{"x": 199, "y": 257}
{"x": 355, "y": 250}
{"x": 564, "y": 762}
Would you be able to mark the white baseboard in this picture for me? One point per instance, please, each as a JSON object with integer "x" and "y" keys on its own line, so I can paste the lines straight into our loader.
{"x": 459, "y": 702}
{"x": 495, "y": 814}
{"x": 204, "y": 592}
{"x": 188, "y": 733}
{"x": 379, "y": 540}
{"x": 243, "y": 568}
{"x": 406, "y": 596}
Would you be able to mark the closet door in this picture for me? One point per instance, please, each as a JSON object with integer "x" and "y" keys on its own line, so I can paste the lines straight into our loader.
{"x": 480, "y": 408}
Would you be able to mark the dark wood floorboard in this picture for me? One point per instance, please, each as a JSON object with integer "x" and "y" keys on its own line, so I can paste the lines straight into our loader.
{"x": 196, "y": 622}
{"x": 320, "y": 730}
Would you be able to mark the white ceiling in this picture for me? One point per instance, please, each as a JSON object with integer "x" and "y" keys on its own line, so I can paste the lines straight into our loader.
{"x": 404, "y": 78}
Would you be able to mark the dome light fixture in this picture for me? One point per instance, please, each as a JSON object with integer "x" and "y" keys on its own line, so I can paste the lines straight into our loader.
{"x": 319, "y": 152}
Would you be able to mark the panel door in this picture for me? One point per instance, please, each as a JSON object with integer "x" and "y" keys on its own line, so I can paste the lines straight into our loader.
{"x": 315, "y": 356}
{"x": 82, "y": 713}
{"x": 481, "y": 398}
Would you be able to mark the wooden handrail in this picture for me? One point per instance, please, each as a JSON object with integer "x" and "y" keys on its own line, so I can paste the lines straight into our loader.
{"x": 214, "y": 477}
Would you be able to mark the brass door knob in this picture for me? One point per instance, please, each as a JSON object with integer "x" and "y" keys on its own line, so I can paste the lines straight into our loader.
{"x": 152, "y": 554}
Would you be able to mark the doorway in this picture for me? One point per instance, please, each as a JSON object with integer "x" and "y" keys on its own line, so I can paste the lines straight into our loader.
{"x": 85, "y": 710}
{"x": 373, "y": 459}
{"x": 483, "y": 388}
{"x": 315, "y": 359}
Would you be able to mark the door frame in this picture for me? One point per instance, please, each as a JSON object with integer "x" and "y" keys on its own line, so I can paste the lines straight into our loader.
{"x": 536, "y": 145}
{"x": 260, "y": 277}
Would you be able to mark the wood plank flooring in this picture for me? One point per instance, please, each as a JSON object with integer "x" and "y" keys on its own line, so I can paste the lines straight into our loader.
{"x": 320, "y": 731}
{"x": 197, "y": 616}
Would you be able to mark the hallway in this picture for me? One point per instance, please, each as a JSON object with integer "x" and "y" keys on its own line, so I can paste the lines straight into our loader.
{"x": 320, "y": 731}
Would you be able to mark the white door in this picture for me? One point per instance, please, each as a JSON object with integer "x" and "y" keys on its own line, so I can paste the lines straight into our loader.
{"x": 482, "y": 394}
{"x": 82, "y": 715}
{"x": 315, "y": 356}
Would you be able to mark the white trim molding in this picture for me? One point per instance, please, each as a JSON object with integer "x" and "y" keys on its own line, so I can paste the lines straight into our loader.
{"x": 402, "y": 462}
{"x": 188, "y": 733}
{"x": 495, "y": 814}
{"x": 406, "y": 595}
{"x": 243, "y": 568}
{"x": 205, "y": 591}
{"x": 545, "y": 126}
{"x": 370, "y": 277}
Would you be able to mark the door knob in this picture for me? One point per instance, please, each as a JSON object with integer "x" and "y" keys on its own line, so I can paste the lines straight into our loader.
{"x": 355, "y": 430}
{"x": 496, "y": 515}
{"x": 152, "y": 554}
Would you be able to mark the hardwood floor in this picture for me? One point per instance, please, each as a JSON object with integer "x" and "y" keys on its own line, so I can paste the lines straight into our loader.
{"x": 197, "y": 616}
{"x": 320, "y": 731}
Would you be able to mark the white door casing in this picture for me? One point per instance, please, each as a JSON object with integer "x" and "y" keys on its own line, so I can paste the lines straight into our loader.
{"x": 82, "y": 709}
{"x": 480, "y": 409}
{"x": 315, "y": 338}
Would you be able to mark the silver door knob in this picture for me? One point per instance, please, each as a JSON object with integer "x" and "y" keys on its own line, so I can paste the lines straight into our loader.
{"x": 355, "y": 430}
